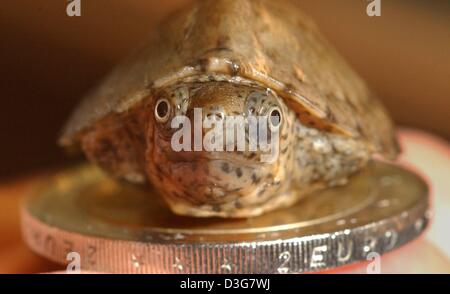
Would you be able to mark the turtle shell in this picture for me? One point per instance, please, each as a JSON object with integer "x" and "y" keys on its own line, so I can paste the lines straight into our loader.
{"x": 271, "y": 42}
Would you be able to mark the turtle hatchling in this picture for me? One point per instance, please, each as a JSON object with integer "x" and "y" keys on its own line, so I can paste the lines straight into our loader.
{"x": 233, "y": 58}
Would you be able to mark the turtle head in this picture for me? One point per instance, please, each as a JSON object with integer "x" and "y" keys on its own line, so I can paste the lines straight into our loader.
{"x": 217, "y": 145}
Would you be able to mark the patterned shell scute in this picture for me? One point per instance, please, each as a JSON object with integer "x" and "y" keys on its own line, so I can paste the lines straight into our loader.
{"x": 271, "y": 42}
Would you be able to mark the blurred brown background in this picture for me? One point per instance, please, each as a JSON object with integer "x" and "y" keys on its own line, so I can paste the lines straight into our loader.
{"x": 49, "y": 60}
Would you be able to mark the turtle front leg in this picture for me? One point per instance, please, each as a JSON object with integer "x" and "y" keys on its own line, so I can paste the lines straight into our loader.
{"x": 116, "y": 144}
{"x": 327, "y": 160}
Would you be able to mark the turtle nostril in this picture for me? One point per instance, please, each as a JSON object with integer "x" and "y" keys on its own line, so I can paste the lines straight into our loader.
{"x": 217, "y": 116}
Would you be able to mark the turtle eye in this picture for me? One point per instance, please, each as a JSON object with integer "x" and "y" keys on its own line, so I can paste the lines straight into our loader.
{"x": 274, "y": 118}
{"x": 162, "y": 110}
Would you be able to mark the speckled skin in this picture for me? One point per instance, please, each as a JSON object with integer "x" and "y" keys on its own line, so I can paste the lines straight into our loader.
{"x": 226, "y": 184}
{"x": 216, "y": 54}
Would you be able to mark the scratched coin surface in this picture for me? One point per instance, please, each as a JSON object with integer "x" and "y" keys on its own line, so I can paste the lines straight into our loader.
{"x": 115, "y": 227}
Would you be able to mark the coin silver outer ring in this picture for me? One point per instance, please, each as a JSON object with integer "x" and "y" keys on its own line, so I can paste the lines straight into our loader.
{"x": 294, "y": 255}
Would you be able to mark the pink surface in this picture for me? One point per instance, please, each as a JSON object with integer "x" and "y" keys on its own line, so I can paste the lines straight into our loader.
{"x": 428, "y": 156}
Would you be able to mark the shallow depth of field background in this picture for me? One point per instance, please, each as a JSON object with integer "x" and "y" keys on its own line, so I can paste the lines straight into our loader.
{"x": 49, "y": 60}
